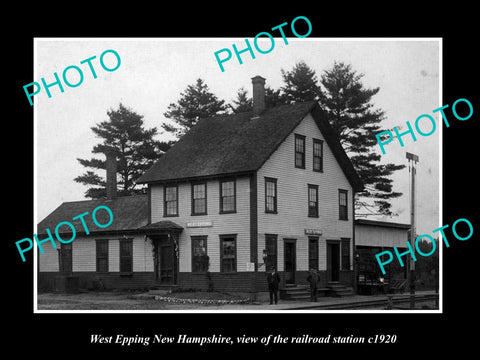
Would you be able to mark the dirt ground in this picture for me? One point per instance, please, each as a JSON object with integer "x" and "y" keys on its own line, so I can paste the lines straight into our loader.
{"x": 130, "y": 301}
{"x": 116, "y": 301}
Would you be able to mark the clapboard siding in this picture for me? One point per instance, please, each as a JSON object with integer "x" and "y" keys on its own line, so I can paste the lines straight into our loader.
{"x": 48, "y": 261}
{"x": 142, "y": 255}
{"x": 156, "y": 203}
{"x": 114, "y": 255}
{"x": 378, "y": 236}
{"x": 292, "y": 218}
{"x": 236, "y": 223}
{"x": 84, "y": 255}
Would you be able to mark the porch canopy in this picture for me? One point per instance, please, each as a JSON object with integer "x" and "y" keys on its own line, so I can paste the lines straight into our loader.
{"x": 161, "y": 228}
{"x": 164, "y": 236}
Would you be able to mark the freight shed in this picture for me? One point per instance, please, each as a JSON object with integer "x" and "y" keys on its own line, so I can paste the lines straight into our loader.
{"x": 371, "y": 238}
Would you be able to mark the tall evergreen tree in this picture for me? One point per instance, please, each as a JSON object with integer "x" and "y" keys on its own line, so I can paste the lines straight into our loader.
{"x": 195, "y": 102}
{"x": 355, "y": 121}
{"x": 242, "y": 103}
{"x": 274, "y": 97}
{"x": 135, "y": 148}
{"x": 301, "y": 84}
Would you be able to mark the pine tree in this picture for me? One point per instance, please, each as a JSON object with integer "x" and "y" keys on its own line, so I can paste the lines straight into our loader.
{"x": 301, "y": 84}
{"x": 355, "y": 121}
{"x": 242, "y": 103}
{"x": 195, "y": 102}
{"x": 135, "y": 148}
{"x": 272, "y": 98}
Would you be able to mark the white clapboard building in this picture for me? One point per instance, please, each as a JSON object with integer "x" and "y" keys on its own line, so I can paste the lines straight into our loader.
{"x": 236, "y": 195}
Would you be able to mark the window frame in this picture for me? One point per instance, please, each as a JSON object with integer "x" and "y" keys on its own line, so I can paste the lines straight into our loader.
{"x": 165, "y": 205}
{"x": 345, "y": 255}
{"x": 273, "y": 238}
{"x": 320, "y": 157}
{"x": 197, "y": 183}
{"x": 275, "y": 196}
{"x": 98, "y": 243}
{"x": 342, "y": 214}
{"x": 221, "y": 196}
{"x": 194, "y": 263}
{"x": 63, "y": 251}
{"x": 122, "y": 257}
{"x": 303, "y": 153}
{"x": 223, "y": 238}
{"x": 310, "y": 213}
{"x": 311, "y": 258}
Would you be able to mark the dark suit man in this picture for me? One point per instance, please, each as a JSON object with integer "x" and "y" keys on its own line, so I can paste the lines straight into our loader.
{"x": 273, "y": 280}
{"x": 313, "y": 279}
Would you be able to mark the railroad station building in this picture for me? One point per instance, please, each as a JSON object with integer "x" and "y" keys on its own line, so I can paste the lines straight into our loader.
{"x": 236, "y": 195}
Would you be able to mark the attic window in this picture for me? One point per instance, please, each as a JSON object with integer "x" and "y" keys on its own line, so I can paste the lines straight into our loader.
{"x": 299, "y": 151}
{"x": 317, "y": 155}
{"x": 343, "y": 204}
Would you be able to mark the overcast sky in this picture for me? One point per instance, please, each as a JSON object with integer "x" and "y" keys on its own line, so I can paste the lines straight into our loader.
{"x": 153, "y": 73}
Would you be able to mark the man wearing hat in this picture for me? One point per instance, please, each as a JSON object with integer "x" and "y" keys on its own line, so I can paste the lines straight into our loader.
{"x": 273, "y": 280}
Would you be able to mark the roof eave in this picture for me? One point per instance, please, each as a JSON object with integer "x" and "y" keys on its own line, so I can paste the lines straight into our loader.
{"x": 202, "y": 177}
{"x": 382, "y": 224}
{"x": 115, "y": 232}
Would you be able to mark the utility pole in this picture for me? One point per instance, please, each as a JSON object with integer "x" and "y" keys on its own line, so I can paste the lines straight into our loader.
{"x": 413, "y": 159}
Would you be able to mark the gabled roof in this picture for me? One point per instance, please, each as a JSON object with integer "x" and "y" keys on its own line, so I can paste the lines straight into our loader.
{"x": 241, "y": 143}
{"x": 129, "y": 214}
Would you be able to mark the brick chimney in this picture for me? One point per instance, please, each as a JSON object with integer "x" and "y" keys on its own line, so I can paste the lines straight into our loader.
{"x": 258, "y": 98}
{"x": 111, "y": 167}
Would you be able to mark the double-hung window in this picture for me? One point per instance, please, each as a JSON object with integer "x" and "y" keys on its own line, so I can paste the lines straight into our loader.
{"x": 102, "y": 255}
{"x": 170, "y": 206}
{"x": 227, "y": 196}
{"x": 345, "y": 253}
{"x": 228, "y": 253}
{"x": 126, "y": 255}
{"x": 270, "y": 195}
{"x": 343, "y": 204}
{"x": 66, "y": 258}
{"x": 317, "y": 155}
{"x": 271, "y": 251}
{"x": 312, "y": 200}
{"x": 199, "y": 254}
{"x": 299, "y": 151}
{"x": 313, "y": 252}
{"x": 199, "y": 198}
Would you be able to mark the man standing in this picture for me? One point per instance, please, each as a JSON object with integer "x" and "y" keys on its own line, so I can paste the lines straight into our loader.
{"x": 313, "y": 279}
{"x": 273, "y": 280}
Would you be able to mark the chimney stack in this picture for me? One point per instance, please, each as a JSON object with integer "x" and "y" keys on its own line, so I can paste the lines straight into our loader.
{"x": 258, "y": 98}
{"x": 111, "y": 167}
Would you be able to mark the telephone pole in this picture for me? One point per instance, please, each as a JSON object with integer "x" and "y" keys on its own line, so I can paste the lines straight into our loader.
{"x": 412, "y": 160}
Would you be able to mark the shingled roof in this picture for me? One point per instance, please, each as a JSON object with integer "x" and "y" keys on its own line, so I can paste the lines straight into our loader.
{"x": 129, "y": 214}
{"x": 241, "y": 143}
